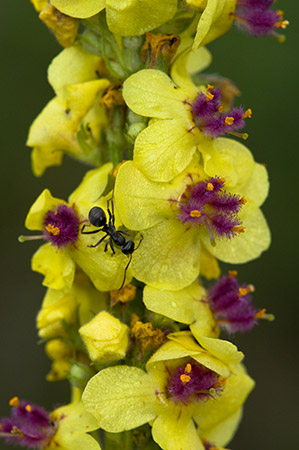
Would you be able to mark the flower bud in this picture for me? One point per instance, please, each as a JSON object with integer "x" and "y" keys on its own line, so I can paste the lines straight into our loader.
{"x": 50, "y": 318}
{"x": 105, "y": 337}
{"x": 80, "y": 374}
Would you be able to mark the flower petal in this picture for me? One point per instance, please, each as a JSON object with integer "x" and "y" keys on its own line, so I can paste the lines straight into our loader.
{"x": 176, "y": 430}
{"x": 165, "y": 148}
{"x": 186, "y": 305}
{"x": 44, "y": 203}
{"x": 257, "y": 187}
{"x": 57, "y": 266}
{"x": 223, "y": 350}
{"x": 188, "y": 63}
{"x": 44, "y": 157}
{"x": 152, "y": 93}
{"x": 121, "y": 398}
{"x": 223, "y": 432}
{"x": 246, "y": 246}
{"x": 168, "y": 256}
{"x": 79, "y": 8}
{"x": 133, "y": 18}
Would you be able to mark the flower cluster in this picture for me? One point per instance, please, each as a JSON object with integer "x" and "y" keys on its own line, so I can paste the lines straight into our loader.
{"x": 131, "y": 317}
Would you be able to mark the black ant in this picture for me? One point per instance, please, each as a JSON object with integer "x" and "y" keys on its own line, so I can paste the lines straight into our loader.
{"x": 97, "y": 218}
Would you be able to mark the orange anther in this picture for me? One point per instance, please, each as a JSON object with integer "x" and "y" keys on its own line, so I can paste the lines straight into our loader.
{"x": 242, "y": 201}
{"x": 54, "y": 231}
{"x": 229, "y": 120}
{"x": 238, "y": 229}
{"x": 28, "y": 408}
{"x": 188, "y": 368}
{"x": 195, "y": 213}
{"x": 185, "y": 379}
{"x": 209, "y": 96}
{"x": 247, "y": 113}
{"x": 14, "y": 402}
{"x": 210, "y": 87}
{"x": 220, "y": 109}
{"x": 232, "y": 273}
{"x": 260, "y": 314}
{"x": 210, "y": 187}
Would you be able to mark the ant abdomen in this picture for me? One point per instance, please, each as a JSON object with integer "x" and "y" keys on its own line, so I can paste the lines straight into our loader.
{"x": 128, "y": 248}
{"x": 97, "y": 217}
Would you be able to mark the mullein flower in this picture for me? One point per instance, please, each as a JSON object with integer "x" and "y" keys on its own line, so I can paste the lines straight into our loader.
{"x": 185, "y": 382}
{"x": 126, "y": 19}
{"x": 66, "y": 246}
{"x": 194, "y": 210}
{"x": 185, "y": 119}
{"x": 65, "y": 428}
{"x": 74, "y": 76}
{"x": 226, "y": 305}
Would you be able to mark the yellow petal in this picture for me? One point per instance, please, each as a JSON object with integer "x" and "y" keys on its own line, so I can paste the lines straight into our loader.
{"x": 91, "y": 188}
{"x": 50, "y": 318}
{"x": 245, "y": 246}
{"x": 79, "y": 8}
{"x": 166, "y": 147}
{"x": 209, "y": 266}
{"x": 121, "y": 398}
{"x": 44, "y": 157}
{"x": 39, "y": 4}
{"x": 257, "y": 187}
{"x": 188, "y": 63}
{"x": 216, "y": 19}
{"x": 236, "y": 389}
{"x": 105, "y": 270}
{"x": 151, "y": 199}
{"x": 222, "y": 433}
{"x": 222, "y": 350}
{"x": 72, "y": 66}
{"x": 133, "y": 18}
{"x": 44, "y": 203}
{"x": 186, "y": 305}
{"x": 152, "y": 93}
{"x": 56, "y": 265}
{"x": 228, "y": 158}
{"x": 176, "y": 430}
{"x": 168, "y": 256}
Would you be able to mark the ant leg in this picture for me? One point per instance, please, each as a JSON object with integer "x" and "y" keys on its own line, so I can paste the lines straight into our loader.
{"x": 123, "y": 232}
{"x": 141, "y": 239}
{"x": 130, "y": 259}
{"x": 111, "y": 212}
{"x": 111, "y": 245}
{"x": 89, "y": 232}
{"x": 98, "y": 243}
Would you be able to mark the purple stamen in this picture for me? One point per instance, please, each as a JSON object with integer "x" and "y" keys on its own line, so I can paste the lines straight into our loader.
{"x": 231, "y": 304}
{"x": 29, "y": 426}
{"x": 193, "y": 382}
{"x": 254, "y": 17}
{"x": 207, "y": 204}
{"x": 61, "y": 226}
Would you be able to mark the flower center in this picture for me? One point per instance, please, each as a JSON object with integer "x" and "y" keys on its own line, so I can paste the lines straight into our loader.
{"x": 192, "y": 381}
{"x": 255, "y": 17}
{"x": 231, "y": 304}
{"x": 209, "y": 117}
{"x": 206, "y": 203}
{"x": 29, "y": 425}
{"x": 61, "y": 226}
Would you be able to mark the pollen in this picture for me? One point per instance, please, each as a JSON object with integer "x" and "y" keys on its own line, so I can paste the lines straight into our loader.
{"x": 209, "y": 96}
{"x": 195, "y": 213}
{"x": 238, "y": 229}
{"x": 188, "y": 368}
{"x": 14, "y": 402}
{"x": 210, "y": 187}
{"x": 229, "y": 120}
{"x": 247, "y": 113}
{"x": 54, "y": 231}
{"x": 185, "y": 379}
{"x": 28, "y": 408}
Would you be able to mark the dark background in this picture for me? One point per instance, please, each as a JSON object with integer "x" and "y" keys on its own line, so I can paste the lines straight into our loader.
{"x": 267, "y": 74}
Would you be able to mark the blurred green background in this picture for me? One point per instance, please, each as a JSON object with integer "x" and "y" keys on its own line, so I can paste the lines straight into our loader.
{"x": 267, "y": 74}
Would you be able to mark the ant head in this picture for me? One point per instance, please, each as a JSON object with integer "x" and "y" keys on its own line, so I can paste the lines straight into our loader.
{"x": 97, "y": 217}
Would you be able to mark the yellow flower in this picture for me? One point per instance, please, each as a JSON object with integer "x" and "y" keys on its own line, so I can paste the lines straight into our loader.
{"x": 185, "y": 119}
{"x": 60, "y": 353}
{"x": 129, "y": 18}
{"x": 81, "y": 299}
{"x": 73, "y": 76}
{"x": 199, "y": 208}
{"x": 60, "y": 224}
{"x": 105, "y": 337}
{"x": 74, "y": 424}
{"x": 171, "y": 395}
{"x": 216, "y": 18}
{"x": 186, "y": 305}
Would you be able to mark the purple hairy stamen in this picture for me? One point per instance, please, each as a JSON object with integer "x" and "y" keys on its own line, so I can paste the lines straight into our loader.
{"x": 29, "y": 425}
{"x": 231, "y": 304}
{"x": 255, "y": 18}
{"x": 193, "y": 382}
{"x": 61, "y": 226}
{"x": 207, "y": 204}
{"x": 207, "y": 114}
